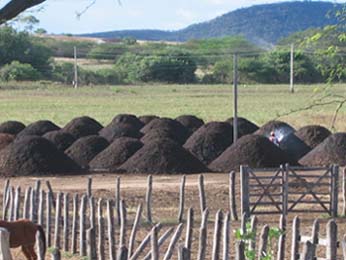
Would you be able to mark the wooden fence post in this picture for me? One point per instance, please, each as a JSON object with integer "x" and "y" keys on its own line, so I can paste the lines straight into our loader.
{"x": 232, "y": 196}
{"x": 240, "y": 251}
{"x": 335, "y": 190}
{"x": 134, "y": 229}
{"x": 162, "y": 239}
{"x": 41, "y": 207}
{"x": 39, "y": 245}
{"x": 56, "y": 254}
{"x": 11, "y": 203}
{"x": 57, "y": 221}
{"x": 314, "y": 236}
{"x": 5, "y": 252}
{"x": 244, "y": 191}
{"x": 82, "y": 241}
{"x": 74, "y": 224}
{"x": 123, "y": 253}
{"x": 89, "y": 187}
{"x": 26, "y": 204}
{"x": 201, "y": 191}
{"x": 344, "y": 192}
{"x": 308, "y": 251}
{"x": 17, "y": 203}
{"x": 91, "y": 242}
{"x": 154, "y": 245}
{"x": 66, "y": 233}
{"x": 110, "y": 225}
{"x": 189, "y": 230}
{"x": 282, "y": 238}
{"x": 217, "y": 235}
{"x": 122, "y": 236}
{"x": 332, "y": 240}
{"x": 173, "y": 242}
{"x": 49, "y": 200}
{"x": 183, "y": 253}
{"x": 181, "y": 199}
{"x": 101, "y": 235}
{"x": 203, "y": 231}
{"x": 295, "y": 238}
{"x": 148, "y": 198}
{"x": 254, "y": 221}
{"x": 92, "y": 212}
{"x": 4, "y": 198}
{"x": 263, "y": 243}
{"x": 32, "y": 205}
{"x": 117, "y": 198}
{"x": 226, "y": 237}
{"x": 49, "y": 187}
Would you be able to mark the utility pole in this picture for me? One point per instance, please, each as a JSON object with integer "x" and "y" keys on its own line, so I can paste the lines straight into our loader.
{"x": 292, "y": 69}
{"x": 75, "y": 81}
{"x": 235, "y": 97}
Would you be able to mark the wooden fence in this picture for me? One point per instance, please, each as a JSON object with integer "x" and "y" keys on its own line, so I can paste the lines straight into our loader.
{"x": 87, "y": 226}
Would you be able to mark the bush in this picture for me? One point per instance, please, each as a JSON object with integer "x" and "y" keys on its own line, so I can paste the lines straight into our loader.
{"x": 18, "y": 71}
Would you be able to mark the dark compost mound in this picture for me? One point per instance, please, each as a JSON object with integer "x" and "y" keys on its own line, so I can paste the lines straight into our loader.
{"x": 115, "y": 154}
{"x": 34, "y": 155}
{"x": 294, "y": 147}
{"x": 163, "y": 156}
{"x": 253, "y": 150}
{"x": 115, "y": 130}
{"x": 245, "y": 126}
{"x": 86, "y": 148}
{"x": 5, "y": 140}
{"x": 159, "y": 133}
{"x": 210, "y": 140}
{"x": 180, "y": 132}
{"x": 331, "y": 151}
{"x": 61, "y": 139}
{"x": 39, "y": 128}
{"x": 190, "y": 122}
{"x": 83, "y": 126}
{"x": 147, "y": 118}
{"x": 280, "y": 128}
{"x": 313, "y": 135}
{"x": 128, "y": 119}
{"x": 11, "y": 127}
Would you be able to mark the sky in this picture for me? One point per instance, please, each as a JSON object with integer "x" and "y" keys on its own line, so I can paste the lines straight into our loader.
{"x": 59, "y": 16}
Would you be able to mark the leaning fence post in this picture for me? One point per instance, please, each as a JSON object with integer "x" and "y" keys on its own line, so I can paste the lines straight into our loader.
{"x": 110, "y": 231}
{"x": 263, "y": 243}
{"x": 201, "y": 191}
{"x": 82, "y": 211}
{"x": 232, "y": 196}
{"x": 226, "y": 237}
{"x": 154, "y": 244}
{"x": 217, "y": 235}
{"x": 203, "y": 231}
{"x": 181, "y": 199}
{"x": 74, "y": 224}
{"x": 332, "y": 240}
{"x": 5, "y": 252}
{"x": 295, "y": 238}
{"x": 244, "y": 191}
{"x": 49, "y": 187}
{"x": 173, "y": 242}
{"x": 148, "y": 198}
{"x": 134, "y": 229}
{"x": 4, "y": 198}
{"x": 162, "y": 239}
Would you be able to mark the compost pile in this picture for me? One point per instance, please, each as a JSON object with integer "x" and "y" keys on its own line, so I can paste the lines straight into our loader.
{"x": 163, "y": 156}
{"x": 210, "y": 140}
{"x": 176, "y": 130}
{"x": 115, "y": 154}
{"x": 192, "y": 123}
{"x": 245, "y": 126}
{"x": 115, "y": 130}
{"x": 5, "y": 140}
{"x": 33, "y": 155}
{"x": 147, "y": 118}
{"x": 38, "y": 128}
{"x": 313, "y": 135}
{"x": 86, "y": 148}
{"x": 83, "y": 126}
{"x": 11, "y": 127}
{"x": 252, "y": 150}
{"x": 128, "y": 119}
{"x": 60, "y": 139}
{"x": 331, "y": 151}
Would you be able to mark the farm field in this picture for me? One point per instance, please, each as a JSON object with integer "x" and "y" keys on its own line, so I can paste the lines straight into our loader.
{"x": 29, "y": 102}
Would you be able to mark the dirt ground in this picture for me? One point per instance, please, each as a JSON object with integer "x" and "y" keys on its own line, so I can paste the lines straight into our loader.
{"x": 166, "y": 200}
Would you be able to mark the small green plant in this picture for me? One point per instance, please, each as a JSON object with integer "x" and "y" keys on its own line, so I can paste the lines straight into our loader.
{"x": 250, "y": 236}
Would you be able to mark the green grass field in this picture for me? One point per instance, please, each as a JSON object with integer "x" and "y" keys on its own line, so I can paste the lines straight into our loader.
{"x": 29, "y": 102}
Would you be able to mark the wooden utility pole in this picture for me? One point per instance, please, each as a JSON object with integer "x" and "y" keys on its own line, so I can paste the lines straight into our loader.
{"x": 235, "y": 97}
{"x": 292, "y": 69}
{"x": 75, "y": 81}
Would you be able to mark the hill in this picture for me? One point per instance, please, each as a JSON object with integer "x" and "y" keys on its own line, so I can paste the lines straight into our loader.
{"x": 261, "y": 24}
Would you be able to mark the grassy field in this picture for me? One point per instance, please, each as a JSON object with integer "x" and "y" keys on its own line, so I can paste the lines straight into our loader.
{"x": 28, "y": 102}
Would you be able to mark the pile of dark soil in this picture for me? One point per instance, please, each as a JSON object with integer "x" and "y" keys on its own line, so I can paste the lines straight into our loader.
{"x": 163, "y": 133}
{"x": 253, "y": 150}
{"x": 11, "y": 127}
{"x": 61, "y": 139}
{"x": 313, "y": 135}
{"x": 39, "y": 128}
{"x": 115, "y": 130}
{"x": 33, "y": 155}
{"x": 83, "y": 126}
{"x": 331, "y": 151}
{"x": 180, "y": 132}
{"x": 163, "y": 156}
{"x": 245, "y": 126}
{"x": 128, "y": 119}
{"x": 147, "y": 118}
{"x": 190, "y": 122}
{"x": 115, "y": 154}
{"x": 210, "y": 140}
{"x": 294, "y": 147}
{"x": 86, "y": 148}
{"x": 274, "y": 126}
{"x": 5, "y": 140}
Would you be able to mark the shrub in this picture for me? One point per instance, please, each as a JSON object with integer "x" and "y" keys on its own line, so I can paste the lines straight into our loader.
{"x": 18, "y": 71}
